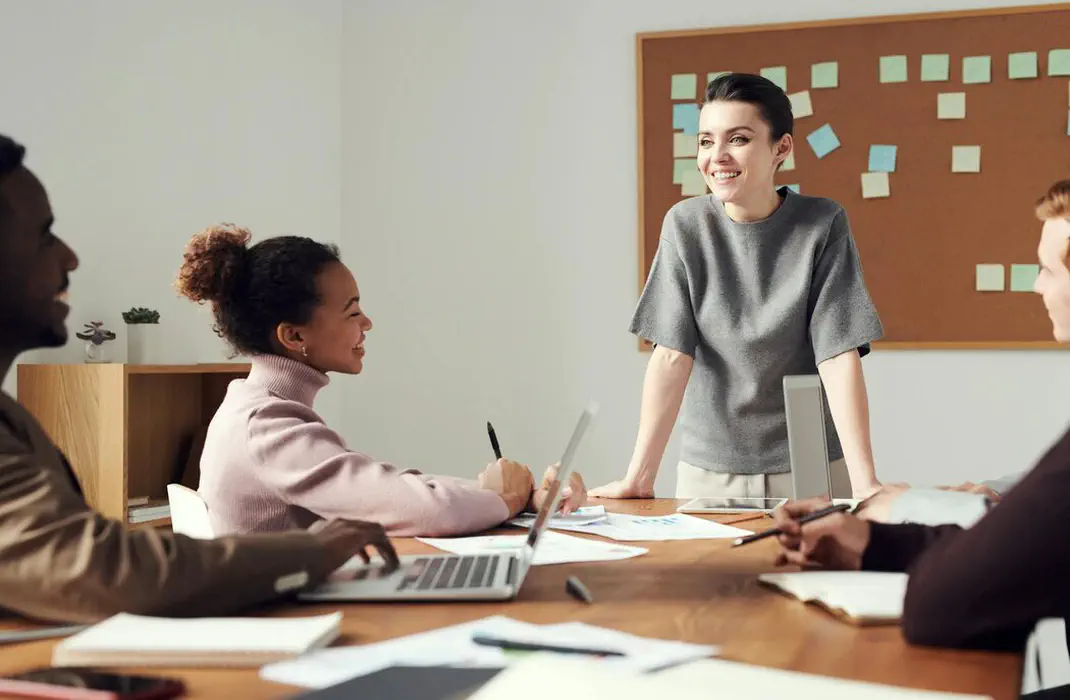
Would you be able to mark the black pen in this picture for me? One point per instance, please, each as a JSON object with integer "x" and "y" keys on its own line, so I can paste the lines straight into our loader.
{"x": 510, "y": 645}
{"x": 804, "y": 519}
{"x": 494, "y": 441}
{"x": 575, "y": 588}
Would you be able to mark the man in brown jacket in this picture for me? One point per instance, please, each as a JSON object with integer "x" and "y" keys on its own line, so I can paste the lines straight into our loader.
{"x": 60, "y": 560}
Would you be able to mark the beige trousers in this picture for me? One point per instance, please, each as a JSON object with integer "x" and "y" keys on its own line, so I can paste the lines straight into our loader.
{"x": 695, "y": 482}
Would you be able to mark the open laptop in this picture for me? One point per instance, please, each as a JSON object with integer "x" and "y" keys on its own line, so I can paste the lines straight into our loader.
{"x": 804, "y": 406}
{"x": 489, "y": 576}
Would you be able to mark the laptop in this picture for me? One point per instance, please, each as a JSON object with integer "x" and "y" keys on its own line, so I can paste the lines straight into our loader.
{"x": 494, "y": 575}
{"x": 804, "y": 406}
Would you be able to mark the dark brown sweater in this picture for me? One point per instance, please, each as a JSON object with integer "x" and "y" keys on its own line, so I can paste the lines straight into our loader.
{"x": 987, "y": 586}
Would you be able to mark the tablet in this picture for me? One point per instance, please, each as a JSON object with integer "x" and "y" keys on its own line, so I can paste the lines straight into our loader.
{"x": 731, "y": 505}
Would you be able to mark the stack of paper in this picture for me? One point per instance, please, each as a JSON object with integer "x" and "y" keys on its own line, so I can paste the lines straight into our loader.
{"x": 554, "y": 548}
{"x": 646, "y": 528}
{"x": 580, "y": 516}
{"x": 453, "y": 647}
{"x": 137, "y": 640}
{"x": 861, "y": 597}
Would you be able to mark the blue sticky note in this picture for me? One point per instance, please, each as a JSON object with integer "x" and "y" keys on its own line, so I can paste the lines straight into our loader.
{"x": 685, "y": 116}
{"x": 1059, "y": 62}
{"x": 882, "y": 159}
{"x": 823, "y": 140}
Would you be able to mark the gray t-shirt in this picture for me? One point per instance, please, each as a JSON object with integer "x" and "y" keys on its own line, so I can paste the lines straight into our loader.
{"x": 753, "y": 302}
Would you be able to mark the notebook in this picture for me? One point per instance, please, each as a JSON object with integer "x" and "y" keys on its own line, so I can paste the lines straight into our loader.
{"x": 137, "y": 640}
{"x": 860, "y": 597}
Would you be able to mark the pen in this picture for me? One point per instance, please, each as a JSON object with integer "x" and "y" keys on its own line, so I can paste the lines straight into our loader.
{"x": 575, "y": 588}
{"x": 494, "y": 441}
{"x": 804, "y": 519}
{"x": 511, "y": 645}
{"x": 44, "y": 633}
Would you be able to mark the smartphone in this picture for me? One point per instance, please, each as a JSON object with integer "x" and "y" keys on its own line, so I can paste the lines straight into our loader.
{"x": 87, "y": 684}
{"x": 731, "y": 505}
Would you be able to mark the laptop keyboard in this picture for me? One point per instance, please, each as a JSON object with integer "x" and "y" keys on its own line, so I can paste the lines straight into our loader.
{"x": 445, "y": 573}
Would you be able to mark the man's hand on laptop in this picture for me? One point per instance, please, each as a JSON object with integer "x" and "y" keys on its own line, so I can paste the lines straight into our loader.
{"x": 510, "y": 480}
{"x": 343, "y": 539}
{"x": 574, "y": 496}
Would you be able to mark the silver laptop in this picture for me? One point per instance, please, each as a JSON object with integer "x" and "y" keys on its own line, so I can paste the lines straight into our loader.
{"x": 804, "y": 406}
{"x": 491, "y": 576}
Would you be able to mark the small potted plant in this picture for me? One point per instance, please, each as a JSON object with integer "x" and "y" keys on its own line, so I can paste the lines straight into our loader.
{"x": 95, "y": 335}
{"x": 142, "y": 331}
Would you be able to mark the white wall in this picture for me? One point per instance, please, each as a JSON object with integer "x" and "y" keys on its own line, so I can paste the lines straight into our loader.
{"x": 489, "y": 208}
{"x": 148, "y": 121}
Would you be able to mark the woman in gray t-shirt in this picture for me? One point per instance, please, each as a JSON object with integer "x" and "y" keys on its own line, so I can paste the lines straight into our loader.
{"x": 750, "y": 284}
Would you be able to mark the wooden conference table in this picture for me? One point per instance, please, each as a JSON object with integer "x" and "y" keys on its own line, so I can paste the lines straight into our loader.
{"x": 695, "y": 590}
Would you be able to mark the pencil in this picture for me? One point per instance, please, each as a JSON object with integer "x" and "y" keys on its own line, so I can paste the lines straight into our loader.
{"x": 809, "y": 517}
{"x": 494, "y": 441}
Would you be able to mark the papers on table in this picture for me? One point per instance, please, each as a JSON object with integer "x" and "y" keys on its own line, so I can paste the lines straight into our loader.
{"x": 640, "y": 528}
{"x": 554, "y": 548}
{"x": 453, "y": 646}
{"x": 580, "y": 516}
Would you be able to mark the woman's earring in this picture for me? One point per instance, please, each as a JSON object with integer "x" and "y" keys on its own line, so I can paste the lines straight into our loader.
{"x": 304, "y": 351}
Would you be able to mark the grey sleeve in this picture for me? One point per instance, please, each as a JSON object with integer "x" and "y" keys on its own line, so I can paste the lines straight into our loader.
{"x": 664, "y": 315}
{"x": 842, "y": 315}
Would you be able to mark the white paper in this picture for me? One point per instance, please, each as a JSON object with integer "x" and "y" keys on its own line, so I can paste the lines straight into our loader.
{"x": 641, "y": 528}
{"x": 580, "y": 516}
{"x": 453, "y": 646}
{"x": 554, "y": 548}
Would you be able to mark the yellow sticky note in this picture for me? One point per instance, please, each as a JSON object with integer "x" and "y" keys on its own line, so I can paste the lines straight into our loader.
{"x": 684, "y": 145}
{"x": 875, "y": 185}
{"x": 789, "y": 162}
{"x": 951, "y": 105}
{"x": 990, "y": 278}
{"x": 965, "y": 159}
{"x": 801, "y": 106}
{"x": 893, "y": 69}
{"x": 684, "y": 86}
{"x": 693, "y": 184}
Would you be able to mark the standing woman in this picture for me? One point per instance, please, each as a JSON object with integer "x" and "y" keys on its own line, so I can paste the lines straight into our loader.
{"x": 749, "y": 284}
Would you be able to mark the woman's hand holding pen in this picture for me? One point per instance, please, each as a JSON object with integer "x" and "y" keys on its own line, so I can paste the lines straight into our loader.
{"x": 836, "y": 541}
{"x": 574, "y": 495}
{"x": 510, "y": 480}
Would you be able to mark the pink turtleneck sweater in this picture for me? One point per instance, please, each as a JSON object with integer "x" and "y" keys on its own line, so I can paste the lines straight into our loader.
{"x": 270, "y": 463}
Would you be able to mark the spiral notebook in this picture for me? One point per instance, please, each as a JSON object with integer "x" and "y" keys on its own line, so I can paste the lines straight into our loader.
{"x": 859, "y": 597}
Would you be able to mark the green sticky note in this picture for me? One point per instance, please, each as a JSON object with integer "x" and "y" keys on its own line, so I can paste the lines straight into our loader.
{"x": 989, "y": 278}
{"x": 976, "y": 69}
{"x": 825, "y": 75}
{"x": 684, "y": 145}
{"x": 1022, "y": 65}
{"x": 793, "y": 188}
{"x": 684, "y": 86}
{"x": 893, "y": 69}
{"x": 965, "y": 159}
{"x": 692, "y": 183}
{"x": 710, "y": 77}
{"x": 1023, "y": 277}
{"x": 1059, "y": 62}
{"x": 789, "y": 162}
{"x": 935, "y": 67}
{"x": 681, "y": 167}
{"x": 951, "y": 105}
{"x": 778, "y": 75}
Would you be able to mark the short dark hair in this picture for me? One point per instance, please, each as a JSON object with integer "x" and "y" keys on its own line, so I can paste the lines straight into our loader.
{"x": 254, "y": 289}
{"x": 772, "y": 103}
{"x": 12, "y": 154}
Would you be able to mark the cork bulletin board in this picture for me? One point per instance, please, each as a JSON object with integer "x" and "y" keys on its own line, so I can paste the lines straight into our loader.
{"x": 936, "y": 132}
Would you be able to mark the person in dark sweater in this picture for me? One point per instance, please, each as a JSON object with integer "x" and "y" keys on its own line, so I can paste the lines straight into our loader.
{"x": 985, "y": 587}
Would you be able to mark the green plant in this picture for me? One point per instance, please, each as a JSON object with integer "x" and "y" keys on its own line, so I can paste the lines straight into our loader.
{"x": 96, "y": 333}
{"x": 139, "y": 314}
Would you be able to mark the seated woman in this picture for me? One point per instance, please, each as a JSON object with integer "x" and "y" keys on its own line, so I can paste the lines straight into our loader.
{"x": 986, "y": 586}
{"x": 269, "y": 461}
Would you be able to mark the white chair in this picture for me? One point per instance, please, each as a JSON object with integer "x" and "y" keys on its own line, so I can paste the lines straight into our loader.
{"x": 189, "y": 513}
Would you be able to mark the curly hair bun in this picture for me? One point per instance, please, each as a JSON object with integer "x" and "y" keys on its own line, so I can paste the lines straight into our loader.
{"x": 213, "y": 260}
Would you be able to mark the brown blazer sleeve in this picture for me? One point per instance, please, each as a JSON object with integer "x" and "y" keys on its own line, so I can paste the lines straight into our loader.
{"x": 60, "y": 560}
{"x": 987, "y": 586}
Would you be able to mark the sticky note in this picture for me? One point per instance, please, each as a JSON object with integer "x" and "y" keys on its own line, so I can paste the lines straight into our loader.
{"x": 1022, "y": 65}
{"x": 710, "y": 77}
{"x": 778, "y": 75}
{"x": 825, "y": 75}
{"x": 1023, "y": 277}
{"x": 875, "y": 185}
{"x": 801, "y": 106}
{"x": 681, "y": 167}
{"x": 1059, "y": 62}
{"x": 693, "y": 184}
{"x": 976, "y": 69}
{"x": 685, "y": 117}
{"x": 882, "y": 159}
{"x": 684, "y": 86}
{"x": 990, "y": 278}
{"x": 935, "y": 67}
{"x": 951, "y": 105}
{"x": 789, "y": 162}
{"x": 965, "y": 159}
{"x": 684, "y": 145}
{"x": 893, "y": 69}
{"x": 793, "y": 188}
{"x": 823, "y": 140}
{"x": 1068, "y": 123}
